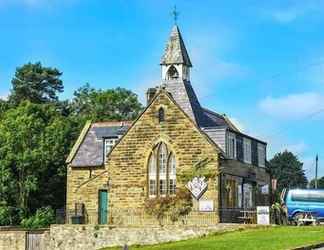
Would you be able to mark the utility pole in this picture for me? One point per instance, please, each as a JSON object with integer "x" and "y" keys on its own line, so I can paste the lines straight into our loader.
{"x": 316, "y": 168}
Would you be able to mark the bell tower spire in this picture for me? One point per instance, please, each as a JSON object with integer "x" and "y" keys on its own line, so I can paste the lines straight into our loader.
{"x": 175, "y": 62}
{"x": 175, "y": 66}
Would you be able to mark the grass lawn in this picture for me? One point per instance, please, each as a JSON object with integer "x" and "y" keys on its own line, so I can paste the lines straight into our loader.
{"x": 252, "y": 239}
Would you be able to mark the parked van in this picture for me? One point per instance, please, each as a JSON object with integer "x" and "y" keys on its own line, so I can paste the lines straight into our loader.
{"x": 299, "y": 201}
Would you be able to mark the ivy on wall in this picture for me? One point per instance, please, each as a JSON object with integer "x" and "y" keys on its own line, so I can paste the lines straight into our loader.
{"x": 180, "y": 205}
{"x": 176, "y": 207}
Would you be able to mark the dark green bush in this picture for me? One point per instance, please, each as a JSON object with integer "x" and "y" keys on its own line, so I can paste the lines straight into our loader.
{"x": 9, "y": 215}
{"x": 42, "y": 218}
{"x": 4, "y": 216}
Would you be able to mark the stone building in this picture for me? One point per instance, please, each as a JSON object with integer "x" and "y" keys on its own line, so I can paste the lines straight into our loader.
{"x": 114, "y": 167}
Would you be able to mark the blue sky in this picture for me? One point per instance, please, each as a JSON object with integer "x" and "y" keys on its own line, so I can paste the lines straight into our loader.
{"x": 260, "y": 62}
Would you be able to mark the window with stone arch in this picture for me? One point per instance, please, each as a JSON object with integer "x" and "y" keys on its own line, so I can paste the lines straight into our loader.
{"x": 162, "y": 171}
{"x": 173, "y": 73}
{"x": 161, "y": 115}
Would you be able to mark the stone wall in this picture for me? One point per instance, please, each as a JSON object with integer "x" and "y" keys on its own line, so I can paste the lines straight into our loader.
{"x": 83, "y": 185}
{"x": 16, "y": 238}
{"x": 13, "y": 240}
{"x": 78, "y": 237}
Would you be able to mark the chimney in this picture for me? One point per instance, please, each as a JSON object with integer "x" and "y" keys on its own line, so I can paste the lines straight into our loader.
{"x": 150, "y": 94}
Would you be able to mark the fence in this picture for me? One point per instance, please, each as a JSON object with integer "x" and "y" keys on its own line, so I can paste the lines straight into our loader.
{"x": 138, "y": 217}
{"x": 128, "y": 217}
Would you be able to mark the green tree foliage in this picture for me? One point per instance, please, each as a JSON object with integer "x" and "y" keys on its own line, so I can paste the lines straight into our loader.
{"x": 4, "y": 106}
{"x": 35, "y": 83}
{"x": 34, "y": 142}
{"x": 288, "y": 170}
{"x": 103, "y": 105}
{"x": 37, "y": 132}
{"x": 320, "y": 183}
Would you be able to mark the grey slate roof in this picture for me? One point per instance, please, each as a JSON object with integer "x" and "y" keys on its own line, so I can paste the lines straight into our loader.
{"x": 175, "y": 51}
{"x": 91, "y": 150}
{"x": 185, "y": 96}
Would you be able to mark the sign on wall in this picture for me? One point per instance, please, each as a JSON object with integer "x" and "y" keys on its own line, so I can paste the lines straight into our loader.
{"x": 197, "y": 186}
{"x": 206, "y": 206}
{"x": 263, "y": 215}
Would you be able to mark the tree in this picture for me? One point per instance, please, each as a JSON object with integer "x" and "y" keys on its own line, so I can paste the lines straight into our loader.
{"x": 35, "y": 83}
{"x": 320, "y": 183}
{"x": 4, "y": 106}
{"x": 37, "y": 132}
{"x": 101, "y": 105}
{"x": 34, "y": 143}
{"x": 288, "y": 170}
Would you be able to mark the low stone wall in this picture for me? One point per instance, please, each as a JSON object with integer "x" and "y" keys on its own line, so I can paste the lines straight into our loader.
{"x": 16, "y": 238}
{"x": 86, "y": 237}
{"x": 13, "y": 240}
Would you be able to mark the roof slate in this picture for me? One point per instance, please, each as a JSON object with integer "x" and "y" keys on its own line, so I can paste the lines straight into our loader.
{"x": 175, "y": 51}
{"x": 91, "y": 151}
{"x": 185, "y": 96}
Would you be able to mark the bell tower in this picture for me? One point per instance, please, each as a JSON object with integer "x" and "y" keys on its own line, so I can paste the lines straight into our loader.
{"x": 175, "y": 62}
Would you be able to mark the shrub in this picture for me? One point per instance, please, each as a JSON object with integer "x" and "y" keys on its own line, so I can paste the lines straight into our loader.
{"x": 176, "y": 206}
{"x": 278, "y": 214}
{"x": 42, "y": 218}
{"x": 9, "y": 215}
{"x": 5, "y": 216}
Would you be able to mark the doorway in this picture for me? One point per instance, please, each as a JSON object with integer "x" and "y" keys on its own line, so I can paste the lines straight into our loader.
{"x": 103, "y": 207}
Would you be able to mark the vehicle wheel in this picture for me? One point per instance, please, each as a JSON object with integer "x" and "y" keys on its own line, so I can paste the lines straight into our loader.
{"x": 296, "y": 218}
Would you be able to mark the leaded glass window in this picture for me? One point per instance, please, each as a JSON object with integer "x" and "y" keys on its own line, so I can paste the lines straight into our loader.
{"x": 161, "y": 171}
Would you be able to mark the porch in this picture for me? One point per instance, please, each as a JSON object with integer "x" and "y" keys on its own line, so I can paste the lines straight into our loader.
{"x": 243, "y": 187}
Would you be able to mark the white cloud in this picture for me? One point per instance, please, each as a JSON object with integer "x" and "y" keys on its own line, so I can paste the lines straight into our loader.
{"x": 4, "y": 96}
{"x": 293, "y": 106}
{"x": 295, "y": 10}
{"x": 298, "y": 148}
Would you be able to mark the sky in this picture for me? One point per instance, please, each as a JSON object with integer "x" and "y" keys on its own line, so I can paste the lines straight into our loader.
{"x": 259, "y": 62}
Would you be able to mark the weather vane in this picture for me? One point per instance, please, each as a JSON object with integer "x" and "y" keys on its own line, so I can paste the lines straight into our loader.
{"x": 175, "y": 14}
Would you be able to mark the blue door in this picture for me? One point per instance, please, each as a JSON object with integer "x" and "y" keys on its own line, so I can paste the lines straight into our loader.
{"x": 103, "y": 207}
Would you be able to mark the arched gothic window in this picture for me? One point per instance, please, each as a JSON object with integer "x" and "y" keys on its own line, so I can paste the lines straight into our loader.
{"x": 172, "y": 174}
{"x": 161, "y": 172}
{"x": 161, "y": 115}
{"x": 173, "y": 73}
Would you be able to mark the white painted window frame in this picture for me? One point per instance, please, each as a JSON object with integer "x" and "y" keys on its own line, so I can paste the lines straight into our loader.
{"x": 109, "y": 142}
{"x": 261, "y": 155}
{"x": 247, "y": 150}
{"x": 231, "y": 145}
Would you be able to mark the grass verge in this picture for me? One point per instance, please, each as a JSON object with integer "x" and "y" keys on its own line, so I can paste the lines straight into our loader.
{"x": 253, "y": 239}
